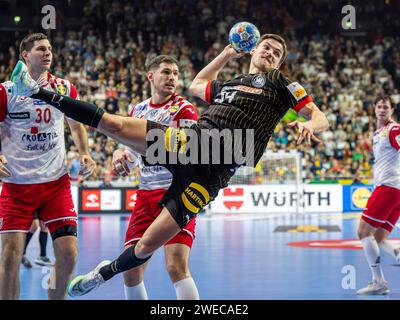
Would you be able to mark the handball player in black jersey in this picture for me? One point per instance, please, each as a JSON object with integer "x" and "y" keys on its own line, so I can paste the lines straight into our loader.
{"x": 255, "y": 101}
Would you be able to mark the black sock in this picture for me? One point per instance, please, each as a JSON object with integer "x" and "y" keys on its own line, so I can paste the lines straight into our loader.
{"x": 126, "y": 261}
{"x": 28, "y": 238}
{"x": 43, "y": 243}
{"x": 81, "y": 111}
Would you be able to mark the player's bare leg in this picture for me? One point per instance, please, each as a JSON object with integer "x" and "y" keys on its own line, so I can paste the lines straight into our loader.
{"x": 158, "y": 233}
{"x": 381, "y": 234}
{"x": 128, "y": 131}
{"x": 134, "y": 282}
{"x": 365, "y": 230}
{"x": 11, "y": 255}
{"x": 177, "y": 260}
{"x": 66, "y": 253}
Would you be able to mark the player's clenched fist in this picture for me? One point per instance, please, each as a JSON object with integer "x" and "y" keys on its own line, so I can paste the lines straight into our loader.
{"x": 4, "y": 173}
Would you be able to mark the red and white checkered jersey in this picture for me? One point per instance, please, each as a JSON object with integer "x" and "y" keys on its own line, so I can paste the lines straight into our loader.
{"x": 387, "y": 155}
{"x": 176, "y": 112}
{"x": 32, "y": 134}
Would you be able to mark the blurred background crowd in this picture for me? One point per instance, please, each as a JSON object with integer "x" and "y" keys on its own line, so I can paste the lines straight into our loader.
{"x": 102, "y": 47}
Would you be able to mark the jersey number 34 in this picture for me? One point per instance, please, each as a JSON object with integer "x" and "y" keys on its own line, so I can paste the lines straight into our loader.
{"x": 226, "y": 96}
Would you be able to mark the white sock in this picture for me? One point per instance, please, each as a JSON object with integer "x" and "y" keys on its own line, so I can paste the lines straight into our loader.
{"x": 390, "y": 248}
{"x": 371, "y": 251}
{"x": 186, "y": 289}
{"x": 137, "y": 292}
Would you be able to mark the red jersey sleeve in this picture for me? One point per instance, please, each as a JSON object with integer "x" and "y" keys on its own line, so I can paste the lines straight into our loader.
{"x": 186, "y": 116}
{"x": 212, "y": 89}
{"x": 187, "y": 112}
{"x": 394, "y": 137}
{"x": 3, "y": 103}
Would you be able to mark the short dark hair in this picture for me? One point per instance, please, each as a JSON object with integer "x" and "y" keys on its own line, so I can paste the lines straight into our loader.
{"x": 278, "y": 38}
{"x": 28, "y": 42}
{"x": 156, "y": 62}
{"x": 385, "y": 97}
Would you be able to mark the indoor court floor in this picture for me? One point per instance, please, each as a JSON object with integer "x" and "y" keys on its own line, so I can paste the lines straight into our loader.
{"x": 285, "y": 257}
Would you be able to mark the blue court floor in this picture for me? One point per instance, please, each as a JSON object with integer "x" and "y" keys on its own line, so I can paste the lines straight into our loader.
{"x": 238, "y": 257}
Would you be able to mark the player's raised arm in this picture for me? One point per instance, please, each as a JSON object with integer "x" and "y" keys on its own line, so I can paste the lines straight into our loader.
{"x": 211, "y": 71}
{"x": 316, "y": 122}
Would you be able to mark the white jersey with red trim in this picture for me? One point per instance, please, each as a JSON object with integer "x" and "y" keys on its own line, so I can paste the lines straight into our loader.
{"x": 387, "y": 155}
{"x": 32, "y": 134}
{"x": 176, "y": 112}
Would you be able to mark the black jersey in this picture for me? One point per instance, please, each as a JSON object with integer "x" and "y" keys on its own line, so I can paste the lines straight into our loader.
{"x": 253, "y": 101}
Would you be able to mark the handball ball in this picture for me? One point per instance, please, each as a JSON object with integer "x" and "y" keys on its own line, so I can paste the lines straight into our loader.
{"x": 244, "y": 36}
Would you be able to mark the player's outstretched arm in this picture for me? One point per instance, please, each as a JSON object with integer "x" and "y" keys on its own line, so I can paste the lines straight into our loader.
{"x": 316, "y": 122}
{"x": 211, "y": 71}
{"x": 126, "y": 130}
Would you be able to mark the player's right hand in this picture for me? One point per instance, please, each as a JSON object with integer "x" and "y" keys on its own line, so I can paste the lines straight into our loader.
{"x": 233, "y": 53}
{"x": 4, "y": 173}
{"x": 119, "y": 163}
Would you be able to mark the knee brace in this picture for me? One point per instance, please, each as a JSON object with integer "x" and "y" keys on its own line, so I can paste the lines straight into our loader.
{"x": 68, "y": 230}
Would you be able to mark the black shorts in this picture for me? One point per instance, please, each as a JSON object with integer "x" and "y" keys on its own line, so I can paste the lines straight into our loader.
{"x": 193, "y": 185}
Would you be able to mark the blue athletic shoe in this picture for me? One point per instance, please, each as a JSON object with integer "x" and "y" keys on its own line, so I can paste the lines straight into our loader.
{"x": 24, "y": 85}
{"x": 83, "y": 284}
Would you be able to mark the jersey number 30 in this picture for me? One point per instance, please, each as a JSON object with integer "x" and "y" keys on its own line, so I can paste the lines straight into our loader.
{"x": 43, "y": 115}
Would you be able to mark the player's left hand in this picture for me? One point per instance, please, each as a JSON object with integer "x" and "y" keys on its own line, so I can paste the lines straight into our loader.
{"x": 87, "y": 165}
{"x": 306, "y": 131}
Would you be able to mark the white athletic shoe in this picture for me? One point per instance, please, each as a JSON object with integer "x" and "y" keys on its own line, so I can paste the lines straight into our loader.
{"x": 44, "y": 261}
{"x": 24, "y": 85}
{"x": 81, "y": 285}
{"x": 375, "y": 288}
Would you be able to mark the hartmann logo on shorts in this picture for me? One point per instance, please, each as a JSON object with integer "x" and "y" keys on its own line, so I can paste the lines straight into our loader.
{"x": 90, "y": 200}
{"x": 198, "y": 196}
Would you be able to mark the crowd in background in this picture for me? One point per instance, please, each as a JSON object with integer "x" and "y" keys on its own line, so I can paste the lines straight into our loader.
{"x": 105, "y": 58}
